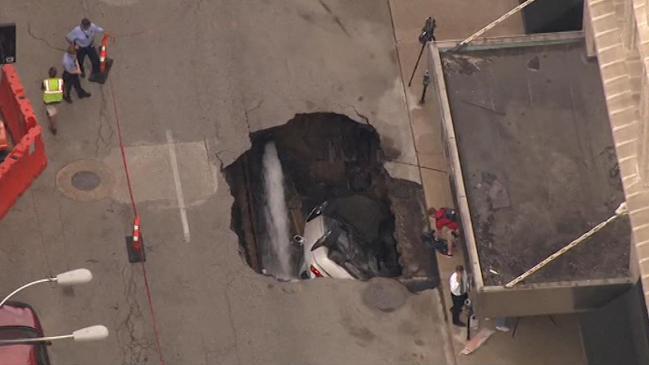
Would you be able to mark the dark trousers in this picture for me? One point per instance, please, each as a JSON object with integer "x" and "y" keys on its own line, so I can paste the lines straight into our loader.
{"x": 91, "y": 51}
{"x": 458, "y": 304}
{"x": 70, "y": 80}
{"x": 435, "y": 243}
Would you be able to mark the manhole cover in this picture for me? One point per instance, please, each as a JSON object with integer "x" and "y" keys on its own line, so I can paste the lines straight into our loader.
{"x": 384, "y": 294}
{"x": 85, "y": 180}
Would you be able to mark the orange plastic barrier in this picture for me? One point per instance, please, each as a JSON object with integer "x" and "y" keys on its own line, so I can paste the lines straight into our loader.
{"x": 27, "y": 160}
{"x": 4, "y": 140}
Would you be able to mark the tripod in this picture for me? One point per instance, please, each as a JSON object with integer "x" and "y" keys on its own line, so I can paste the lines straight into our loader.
{"x": 427, "y": 35}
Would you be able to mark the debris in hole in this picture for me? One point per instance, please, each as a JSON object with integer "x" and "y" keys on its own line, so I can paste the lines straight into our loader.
{"x": 350, "y": 238}
{"x": 341, "y": 213}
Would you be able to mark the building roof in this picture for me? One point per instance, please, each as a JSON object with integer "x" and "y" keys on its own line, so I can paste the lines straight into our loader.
{"x": 538, "y": 161}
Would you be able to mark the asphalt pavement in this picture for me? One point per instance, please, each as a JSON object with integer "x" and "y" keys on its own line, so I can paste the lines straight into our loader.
{"x": 191, "y": 80}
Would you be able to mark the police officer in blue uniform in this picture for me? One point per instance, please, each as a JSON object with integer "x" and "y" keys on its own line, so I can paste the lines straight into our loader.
{"x": 71, "y": 72}
{"x": 82, "y": 37}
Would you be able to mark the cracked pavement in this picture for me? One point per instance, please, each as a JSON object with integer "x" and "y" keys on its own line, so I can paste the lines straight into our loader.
{"x": 208, "y": 73}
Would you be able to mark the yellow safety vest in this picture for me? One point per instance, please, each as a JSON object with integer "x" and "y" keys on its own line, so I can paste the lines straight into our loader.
{"x": 53, "y": 91}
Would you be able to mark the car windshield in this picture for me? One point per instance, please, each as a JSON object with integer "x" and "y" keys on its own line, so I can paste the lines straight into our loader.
{"x": 359, "y": 237}
{"x": 9, "y": 332}
{"x": 364, "y": 214}
{"x": 348, "y": 252}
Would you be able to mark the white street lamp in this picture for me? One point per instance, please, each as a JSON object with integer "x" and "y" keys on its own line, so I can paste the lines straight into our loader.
{"x": 92, "y": 333}
{"x": 73, "y": 277}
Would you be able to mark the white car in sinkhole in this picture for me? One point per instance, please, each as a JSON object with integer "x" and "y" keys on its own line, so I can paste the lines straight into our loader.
{"x": 349, "y": 238}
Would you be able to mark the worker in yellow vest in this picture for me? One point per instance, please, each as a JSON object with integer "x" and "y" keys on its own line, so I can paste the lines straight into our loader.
{"x": 52, "y": 94}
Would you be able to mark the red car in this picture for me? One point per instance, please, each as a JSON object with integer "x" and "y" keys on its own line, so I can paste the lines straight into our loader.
{"x": 18, "y": 320}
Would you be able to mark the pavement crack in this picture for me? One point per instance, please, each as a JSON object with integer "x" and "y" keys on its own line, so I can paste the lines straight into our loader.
{"x": 326, "y": 7}
{"x": 177, "y": 16}
{"x": 342, "y": 26}
{"x": 362, "y": 116}
{"x": 134, "y": 348}
{"x": 43, "y": 40}
{"x": 39, "y": 226}
{"x": 105, "y": 132}
{"x": 419, "y": 166}
{"x": 233, "y": 327}
{"x": 218, "y": 157}
{"x": 335, "y": 18}
{"x": 245, "y": 114}
{"x": 345, "y": 109}
{"x": 62, "y": 224}
{"x": 257, "y": 106}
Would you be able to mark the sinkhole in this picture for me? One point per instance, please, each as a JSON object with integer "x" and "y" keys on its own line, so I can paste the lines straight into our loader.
{"x": 312, "y": 199}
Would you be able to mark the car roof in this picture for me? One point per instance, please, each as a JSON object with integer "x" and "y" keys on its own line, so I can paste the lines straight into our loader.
{"x": 18, "y": 314}
{"x": 19, "y": 320}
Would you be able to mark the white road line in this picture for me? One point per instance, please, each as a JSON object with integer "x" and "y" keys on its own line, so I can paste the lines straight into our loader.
{"x": 179, "y": 188}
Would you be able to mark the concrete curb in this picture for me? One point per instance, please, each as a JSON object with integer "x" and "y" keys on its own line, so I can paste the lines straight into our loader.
{"x": 449, "y": 350}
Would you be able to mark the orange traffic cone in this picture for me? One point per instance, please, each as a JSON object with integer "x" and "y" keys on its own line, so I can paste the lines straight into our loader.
{"x": 135, "y": 243}
{"x": 103, "y": 53}
{"x": 137, "y": 235}
{"x": 105, "y": 63}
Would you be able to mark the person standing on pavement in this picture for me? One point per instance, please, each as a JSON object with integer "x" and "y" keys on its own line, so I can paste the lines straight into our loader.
{"x": 52, "y": 94}
{"x": 83, "y": 37}
{"x": 71, "y": 72}
{"x": 459, "y": 294}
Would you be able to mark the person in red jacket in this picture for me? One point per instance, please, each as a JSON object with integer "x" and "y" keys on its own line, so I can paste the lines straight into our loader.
{"x": 445, "y": 217}
{"x": 446, "y": 221}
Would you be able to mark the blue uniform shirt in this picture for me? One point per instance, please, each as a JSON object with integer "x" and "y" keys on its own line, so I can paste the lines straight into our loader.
{"x": 84, "y": 38}
{"x": 69, "y": 62}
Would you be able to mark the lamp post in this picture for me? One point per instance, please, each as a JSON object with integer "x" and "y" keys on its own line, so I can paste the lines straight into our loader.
{"x": 92, "y": 333}
{"x": 73, "y": 277}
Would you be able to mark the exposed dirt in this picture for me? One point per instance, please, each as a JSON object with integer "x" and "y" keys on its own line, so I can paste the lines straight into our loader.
{"x": 326, "y": 156}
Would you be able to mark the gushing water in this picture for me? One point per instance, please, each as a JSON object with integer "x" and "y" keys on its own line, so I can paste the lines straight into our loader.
{"x": 276, "y": 216}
